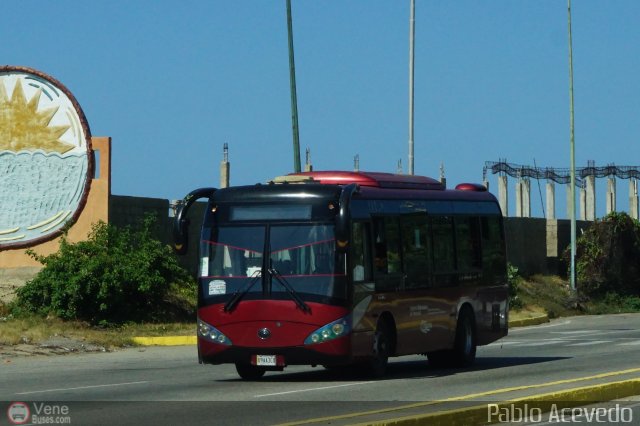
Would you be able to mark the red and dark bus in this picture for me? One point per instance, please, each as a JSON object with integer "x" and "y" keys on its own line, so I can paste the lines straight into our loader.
{"x": 340, "y": 268}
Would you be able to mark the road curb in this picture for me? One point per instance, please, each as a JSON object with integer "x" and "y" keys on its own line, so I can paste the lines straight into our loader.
{"x": 165, "y": 341}
{"x": 479, "y": 414}
{"x": 525, "y": 322}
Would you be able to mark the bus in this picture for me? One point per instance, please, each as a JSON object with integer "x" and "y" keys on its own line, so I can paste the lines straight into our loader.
{"x": 339, "y": 268}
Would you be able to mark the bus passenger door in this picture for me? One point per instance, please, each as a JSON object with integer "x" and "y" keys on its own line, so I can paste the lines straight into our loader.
{"x": 361, "y": 265}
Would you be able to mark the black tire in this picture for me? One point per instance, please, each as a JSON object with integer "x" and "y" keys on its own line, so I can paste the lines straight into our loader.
{"x": 463, "y": 353}
{"x": 249, "y": 372}
{"x": 464, "y": 350}
{"x": 376, "y": 365}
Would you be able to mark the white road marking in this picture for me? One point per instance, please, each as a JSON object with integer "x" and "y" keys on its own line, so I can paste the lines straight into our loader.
{"x": 634, "y": 343}
{"x": 81, "y": 387}
{"x": 593, "y": 342}
{"x": 314, "y": 389}
{"x": 501, "y": 343}
{"x": 537, "y": 327}
{"x": 543, "y": 343}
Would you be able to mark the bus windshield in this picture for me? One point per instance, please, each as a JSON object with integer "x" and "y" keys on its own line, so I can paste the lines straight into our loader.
{"x": 301, "y": 258}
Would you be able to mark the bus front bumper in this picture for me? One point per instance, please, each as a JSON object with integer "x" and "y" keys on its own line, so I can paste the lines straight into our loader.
{"x": 335, "y": 352}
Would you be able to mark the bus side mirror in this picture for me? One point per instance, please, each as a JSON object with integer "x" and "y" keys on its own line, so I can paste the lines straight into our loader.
{"x": 181, "y": 223}
{"x": 181, "y": 236}
{"x": 344, "y": 216}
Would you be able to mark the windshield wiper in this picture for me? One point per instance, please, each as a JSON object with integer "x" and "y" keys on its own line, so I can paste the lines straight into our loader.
{"x": 290, "y": 290}
{"x": 239, "y": 294}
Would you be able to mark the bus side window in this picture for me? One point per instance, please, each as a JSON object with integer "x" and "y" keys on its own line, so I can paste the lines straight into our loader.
{"x": 443, "y": 250}
{"x": 387, "y": 245}
{"x": 388, "y": 263}
{"x": 415, "y": 251}
{"x": 468, "y": 245}
{"x": 392, "y": 234}
{"x": 361, "y": 251}
{"x": 493, "y": 259}
{"x": 380, "y": 246}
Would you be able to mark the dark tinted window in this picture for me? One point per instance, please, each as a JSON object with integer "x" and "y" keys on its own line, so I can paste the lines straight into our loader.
{"x": 493, "y": 257}
{"x": 415, "y": 251}
{"x": 468, "y": 243}
{"x": 443, "y": 246}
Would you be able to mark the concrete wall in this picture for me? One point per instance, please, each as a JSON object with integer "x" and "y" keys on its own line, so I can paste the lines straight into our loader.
{"x": 526, "y": 243}
{"x": 130, "y": 211}
{"x": 536, "y": 245}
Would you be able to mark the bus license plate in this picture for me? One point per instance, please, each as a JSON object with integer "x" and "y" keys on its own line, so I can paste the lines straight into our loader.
{"x": 266, "y": 360}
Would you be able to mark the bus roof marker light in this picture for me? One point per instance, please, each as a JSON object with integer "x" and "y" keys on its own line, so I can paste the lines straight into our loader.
{"x": 471, "y": 187}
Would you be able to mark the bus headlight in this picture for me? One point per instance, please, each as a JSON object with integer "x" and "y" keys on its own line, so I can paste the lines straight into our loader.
{"x": 212, "y": 334}
{"x": 330, "y": 331}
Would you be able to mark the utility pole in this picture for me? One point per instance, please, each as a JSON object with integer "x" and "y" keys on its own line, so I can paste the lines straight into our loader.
{"x": 294, "y": 97}
{"x": 573, "y": 158}
{"x": 412, "y": 24}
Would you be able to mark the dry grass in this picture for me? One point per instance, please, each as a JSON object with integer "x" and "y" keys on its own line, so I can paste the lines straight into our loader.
{"x": 35, "y": 330}
{"x": 546, "y": 294}
{"x": 552, "y": 295}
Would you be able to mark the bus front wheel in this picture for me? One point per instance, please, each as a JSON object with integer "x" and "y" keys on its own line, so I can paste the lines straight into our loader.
{"x": 376, "y": 366}
{"x": 249, "y": 372}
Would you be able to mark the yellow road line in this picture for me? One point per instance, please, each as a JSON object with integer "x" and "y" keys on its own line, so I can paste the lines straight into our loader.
{"x": 479, "y": 414}
{"x": 465, "y": 397}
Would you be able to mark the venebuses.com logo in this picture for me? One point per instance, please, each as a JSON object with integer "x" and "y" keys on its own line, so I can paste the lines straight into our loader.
{"x": 20, "y": 413}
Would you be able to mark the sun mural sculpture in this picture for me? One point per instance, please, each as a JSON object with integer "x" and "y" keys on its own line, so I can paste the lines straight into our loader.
{"x": 46, "y": 161}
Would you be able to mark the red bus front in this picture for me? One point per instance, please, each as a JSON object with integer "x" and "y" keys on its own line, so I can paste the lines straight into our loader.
{"x": 272, "y": 292}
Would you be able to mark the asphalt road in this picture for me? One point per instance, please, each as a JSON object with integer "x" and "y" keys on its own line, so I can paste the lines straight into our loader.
{"x": 166, "y": 385}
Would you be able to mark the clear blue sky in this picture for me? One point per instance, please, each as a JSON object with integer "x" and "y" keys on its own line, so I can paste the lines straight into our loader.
{"x": 171, "y": 82}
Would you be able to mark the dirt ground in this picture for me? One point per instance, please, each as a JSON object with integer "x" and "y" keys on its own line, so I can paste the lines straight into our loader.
{"x": 10, "y": 280}
{"x": 52, "y": 346}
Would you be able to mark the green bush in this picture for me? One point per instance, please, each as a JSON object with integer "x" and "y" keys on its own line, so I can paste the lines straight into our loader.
{"x": 612, "y": 303}
{"x": 513, "y": 277}
{"x": 118, "y": 275}
{"x": 608, "y": 257}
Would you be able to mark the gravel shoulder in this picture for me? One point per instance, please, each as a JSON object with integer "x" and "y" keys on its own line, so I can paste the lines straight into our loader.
{"x": 51, "y": 346}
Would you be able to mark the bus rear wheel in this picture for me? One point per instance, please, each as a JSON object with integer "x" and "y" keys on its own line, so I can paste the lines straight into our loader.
{"x": 463, "y": 353}
{"x": 249, "y": 372}
{"x": 464, "y": 349}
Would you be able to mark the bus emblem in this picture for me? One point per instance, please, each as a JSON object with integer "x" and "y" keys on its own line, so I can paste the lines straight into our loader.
{"x": 264, "y": 333}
